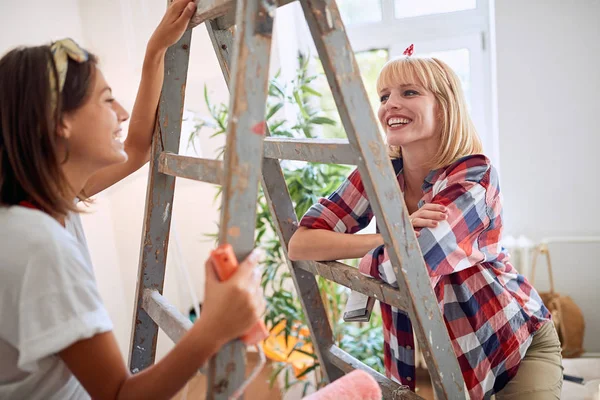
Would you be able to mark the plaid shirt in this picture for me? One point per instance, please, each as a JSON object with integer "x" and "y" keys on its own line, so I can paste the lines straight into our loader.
{"x": 490, "y": 310}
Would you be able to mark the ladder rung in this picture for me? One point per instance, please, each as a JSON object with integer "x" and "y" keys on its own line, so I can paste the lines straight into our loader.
{"x": 390, "y": 389}
{"x": 221, "y": 10}
{"x": 211, "y": 9}
{"x": 166, "y": 316}
{"x": 198, "y": 169}
{"x": 351, "y": 278}
{"x": 327, "y": 151}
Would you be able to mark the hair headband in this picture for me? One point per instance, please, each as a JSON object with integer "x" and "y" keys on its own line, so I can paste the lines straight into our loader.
{"x": 62, "y": 50}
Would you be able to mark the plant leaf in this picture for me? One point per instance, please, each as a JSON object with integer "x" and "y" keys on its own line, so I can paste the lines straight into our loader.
{"x": 322, "y": 121}
{"x": 274, "y": 110}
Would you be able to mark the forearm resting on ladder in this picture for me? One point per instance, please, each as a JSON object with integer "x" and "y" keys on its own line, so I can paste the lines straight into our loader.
{"x": 324, "y": 245}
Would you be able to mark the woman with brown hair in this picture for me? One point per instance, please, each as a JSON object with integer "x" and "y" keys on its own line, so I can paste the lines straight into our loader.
{"x": 59, "y": 140}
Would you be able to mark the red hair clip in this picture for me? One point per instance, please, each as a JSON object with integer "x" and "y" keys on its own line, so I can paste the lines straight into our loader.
{"x": 409, "y": 50}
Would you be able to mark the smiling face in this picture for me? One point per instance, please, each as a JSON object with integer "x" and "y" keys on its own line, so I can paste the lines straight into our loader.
{"x": 407, "y": 113}
{"x": 93, "y": 131}
{"x": 423, "y": 111}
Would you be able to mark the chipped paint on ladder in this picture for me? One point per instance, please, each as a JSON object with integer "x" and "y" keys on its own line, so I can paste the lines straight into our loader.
{"x": 167, "y": 212}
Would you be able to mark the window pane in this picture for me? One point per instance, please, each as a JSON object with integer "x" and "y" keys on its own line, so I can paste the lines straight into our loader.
{"x": 370, "y": 63}
{"x": 355, "y": 12}
{"x": 459, "y": 61}
{"x": 412, "y": 8}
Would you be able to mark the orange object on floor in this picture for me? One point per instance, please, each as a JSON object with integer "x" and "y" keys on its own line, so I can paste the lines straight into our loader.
{"x": 276, "y": 349}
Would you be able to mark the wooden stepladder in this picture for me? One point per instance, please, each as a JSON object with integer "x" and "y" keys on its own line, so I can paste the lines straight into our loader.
{"x": 241, "y": 33}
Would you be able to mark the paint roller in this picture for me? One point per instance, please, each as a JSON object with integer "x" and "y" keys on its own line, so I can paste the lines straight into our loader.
{"x": 357, "y": 385}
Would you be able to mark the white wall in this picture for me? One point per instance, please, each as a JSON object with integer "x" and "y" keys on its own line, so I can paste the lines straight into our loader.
{"x": 548, "y": 104}
{"x": 35, "y": 22}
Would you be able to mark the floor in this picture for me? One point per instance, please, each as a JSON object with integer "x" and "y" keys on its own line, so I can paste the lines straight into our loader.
{"x": 424, "y": 388}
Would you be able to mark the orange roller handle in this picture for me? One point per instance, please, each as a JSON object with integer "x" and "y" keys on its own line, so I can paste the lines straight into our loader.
{"x": 226, "y": 264}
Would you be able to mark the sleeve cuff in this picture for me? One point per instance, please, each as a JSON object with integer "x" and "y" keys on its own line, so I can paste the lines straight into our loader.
{"x": 62, "y": 336}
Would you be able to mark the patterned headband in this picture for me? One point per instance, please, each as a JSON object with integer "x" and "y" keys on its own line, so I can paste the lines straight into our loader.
{"x": 62, "y": 50}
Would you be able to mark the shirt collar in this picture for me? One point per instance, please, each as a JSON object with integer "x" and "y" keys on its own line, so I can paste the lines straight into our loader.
{"x": 430, "y": 179}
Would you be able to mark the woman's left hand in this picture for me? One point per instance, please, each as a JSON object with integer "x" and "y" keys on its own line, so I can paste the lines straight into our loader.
{"x": 173, "y": 25}
{"x": 428, "y": 216}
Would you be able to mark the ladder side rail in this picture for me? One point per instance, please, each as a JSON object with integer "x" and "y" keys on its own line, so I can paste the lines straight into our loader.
{"x": 386, "y": 200}
{"x": 277, "y": 193}
{"x": 159, "y": 202}
{"x": 242, "y": 163}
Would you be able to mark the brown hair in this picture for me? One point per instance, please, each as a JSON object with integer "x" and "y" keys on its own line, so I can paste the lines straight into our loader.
{"x": 30, "y": 168}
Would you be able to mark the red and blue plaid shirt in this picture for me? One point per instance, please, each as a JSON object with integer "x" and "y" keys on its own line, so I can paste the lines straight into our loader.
{"x": 490, "y": 310}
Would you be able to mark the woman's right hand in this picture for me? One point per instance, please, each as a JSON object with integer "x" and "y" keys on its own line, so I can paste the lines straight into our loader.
{"x": 428, "y": 216}
{"x": 232, "y": 307}
{"x": 173, "y": 24}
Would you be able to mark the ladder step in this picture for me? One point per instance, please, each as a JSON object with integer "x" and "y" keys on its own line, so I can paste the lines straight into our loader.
{"x": 350, "y": 277}
{"x": 166, "y": 316}
{"x": 390, "y": 389}
{"x": 211, "y": 9}
{"x": 198, "y": 169}
{"x": 221, "y": 10}
{"x": 326, "y": 151}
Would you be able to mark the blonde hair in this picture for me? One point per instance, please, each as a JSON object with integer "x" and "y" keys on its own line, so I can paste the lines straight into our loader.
{"x": 458, "y": 135}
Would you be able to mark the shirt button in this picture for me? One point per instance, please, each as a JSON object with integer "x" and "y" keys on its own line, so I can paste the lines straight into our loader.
{"x": 408, "y": 378}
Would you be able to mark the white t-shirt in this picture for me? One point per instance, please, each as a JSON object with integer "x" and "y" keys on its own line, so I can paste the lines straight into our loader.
{"x": 48, "y": 301}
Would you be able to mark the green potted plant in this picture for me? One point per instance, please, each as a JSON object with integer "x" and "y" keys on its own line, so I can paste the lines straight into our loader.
{"x": 306, "y": 183}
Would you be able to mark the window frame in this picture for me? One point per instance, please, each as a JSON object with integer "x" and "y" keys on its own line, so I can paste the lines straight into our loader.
{"x": 470, "y": 29}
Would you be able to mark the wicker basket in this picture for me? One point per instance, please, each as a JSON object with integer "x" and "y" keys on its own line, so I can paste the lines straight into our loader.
{"x": 566, "y": 315}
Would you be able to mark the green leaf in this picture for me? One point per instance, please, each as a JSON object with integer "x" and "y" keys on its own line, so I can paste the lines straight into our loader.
{"x": 322, "y": 121}
{"x": 307, "y": 385}
{"x": 310, "y": 79}
{"x": 276, "y": 373}
{"x": 276, "y": 125}
{"x": 308, "y": 371}
{"x": 191, "y": 141}
{"x": 274, "y": 110}
{"x": 312, "y": 355}
{"x": 310, "y": 90}
{"x": 275, "y": 89}
{"x": 300, "y": 104}
{"x": 206, "y": 99}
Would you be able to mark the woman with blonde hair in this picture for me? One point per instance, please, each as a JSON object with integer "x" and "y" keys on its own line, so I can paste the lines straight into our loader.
{"x": 501, "y": 332}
